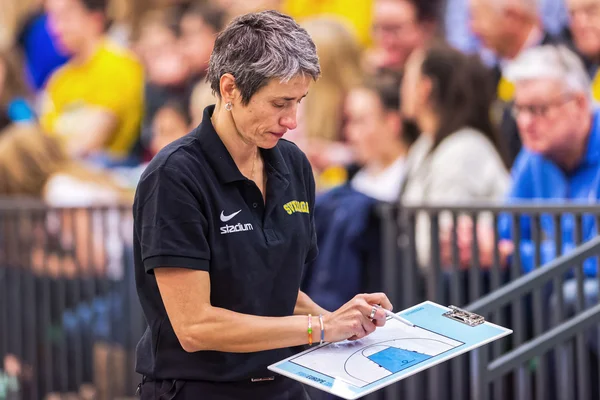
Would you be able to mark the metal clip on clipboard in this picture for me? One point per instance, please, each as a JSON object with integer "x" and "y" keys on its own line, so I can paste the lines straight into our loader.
{"x": 463, "y": 316}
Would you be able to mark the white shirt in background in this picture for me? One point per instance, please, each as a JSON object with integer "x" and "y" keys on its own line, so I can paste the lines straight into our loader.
{"x": 383, "y": 185}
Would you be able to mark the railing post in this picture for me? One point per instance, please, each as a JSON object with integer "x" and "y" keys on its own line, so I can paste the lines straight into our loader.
{"x": 391, "y": 273}
{"x": 410, "y": 273}
{"x": 435, "y": 292}
{"x": 389, "y": 249}
{"x": 479, "y": 382}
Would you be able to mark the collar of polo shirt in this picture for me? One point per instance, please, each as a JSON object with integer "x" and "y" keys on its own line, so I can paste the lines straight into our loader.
{"x": 217, "y": 154}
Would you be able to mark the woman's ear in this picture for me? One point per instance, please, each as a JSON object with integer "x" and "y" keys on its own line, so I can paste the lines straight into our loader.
{"x": 229, "y": 91}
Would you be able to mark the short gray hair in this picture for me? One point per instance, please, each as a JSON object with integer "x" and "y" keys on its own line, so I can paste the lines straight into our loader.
{"x": 258, "y": 47}
{"x": 554, "y": 62}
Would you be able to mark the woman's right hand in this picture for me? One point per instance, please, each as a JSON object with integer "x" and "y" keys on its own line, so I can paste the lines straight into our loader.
{"x": 352, "y": 321}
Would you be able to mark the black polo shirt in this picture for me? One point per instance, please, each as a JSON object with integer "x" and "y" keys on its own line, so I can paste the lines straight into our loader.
{"x": 194, "y": 209}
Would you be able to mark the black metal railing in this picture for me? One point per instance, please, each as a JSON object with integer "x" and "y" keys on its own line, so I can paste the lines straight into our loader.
{"x": 553, "y": 347}
{"x": 422, "y": 259}
{"x": 70, "y": 317}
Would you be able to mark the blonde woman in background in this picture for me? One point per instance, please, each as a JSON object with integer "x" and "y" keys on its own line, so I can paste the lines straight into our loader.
{"x": 320, "y": 117}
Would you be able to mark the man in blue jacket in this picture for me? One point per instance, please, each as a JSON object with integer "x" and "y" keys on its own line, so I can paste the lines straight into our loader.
{"x": 560, "y": 131}
{"x": 560, "y": 160}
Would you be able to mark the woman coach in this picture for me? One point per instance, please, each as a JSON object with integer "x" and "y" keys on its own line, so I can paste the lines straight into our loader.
{"x": 224, "y": 227}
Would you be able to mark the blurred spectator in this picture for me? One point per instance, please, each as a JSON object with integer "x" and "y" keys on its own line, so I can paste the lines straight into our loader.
{"x": 458, "y": 33}
{"x": 458, "y": 157}
{"x": 560, "y": 159}
{"x": 561, "y": 138}
{"x": 158, "y": 29}
{"x": 125, "y": 18}
{"x": 199, "y": 27}
{"x": 374, "y": 131}
{"x": 358, "y": 17}
{"x": 507, "y": 28}
{"x": 399, "y": 27}
{"x": 168, "y": 70}
{"x": 585, "y": 29}
{"x": 561, "y": 135}
{"x": 320, "y": 115}
{"x": 170, "y": 122}
{"x": 94, "y": 103}
{"x": 14, "y": 96}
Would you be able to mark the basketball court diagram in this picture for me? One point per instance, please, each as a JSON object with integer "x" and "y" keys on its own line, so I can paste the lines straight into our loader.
{"x": 385, "y": 352}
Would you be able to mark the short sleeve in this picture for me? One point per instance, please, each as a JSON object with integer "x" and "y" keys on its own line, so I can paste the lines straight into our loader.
{"x": 313, "y": 251}
{"x": 124, "y": 74}
{"x": 169, "y": 222}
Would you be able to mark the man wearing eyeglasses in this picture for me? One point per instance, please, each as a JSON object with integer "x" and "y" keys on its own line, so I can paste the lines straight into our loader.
{"x": 560, "y": 161}
{"x": 585, "y": 29}
{"x": 553, "y": 110}
{"x": 560, "y": 129}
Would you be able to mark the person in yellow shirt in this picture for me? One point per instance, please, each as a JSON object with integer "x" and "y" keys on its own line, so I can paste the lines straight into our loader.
{"x": 358, "y": 15}
{"x": 94, "y": 102}
{"x": 585, "y": 28}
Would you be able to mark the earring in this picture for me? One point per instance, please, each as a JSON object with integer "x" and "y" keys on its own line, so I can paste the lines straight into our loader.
{"x": 228, "y": 106}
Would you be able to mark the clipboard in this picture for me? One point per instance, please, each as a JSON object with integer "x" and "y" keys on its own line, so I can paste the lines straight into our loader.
{"x": 353, "y": 369}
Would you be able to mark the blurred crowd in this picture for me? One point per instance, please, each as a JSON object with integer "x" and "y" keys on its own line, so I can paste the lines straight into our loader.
{"x": 420, "y": 101}
{"x": 112, "y": 82}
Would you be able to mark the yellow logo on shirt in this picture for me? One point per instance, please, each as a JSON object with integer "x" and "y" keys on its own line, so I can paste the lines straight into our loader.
{"x": 296, "y": 206}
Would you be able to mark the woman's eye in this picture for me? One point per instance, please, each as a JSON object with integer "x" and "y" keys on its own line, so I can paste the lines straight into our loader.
{"x": 277, "y": 105}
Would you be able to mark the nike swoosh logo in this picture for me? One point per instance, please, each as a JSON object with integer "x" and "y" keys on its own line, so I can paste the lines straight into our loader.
{"x": 226, "y": 218}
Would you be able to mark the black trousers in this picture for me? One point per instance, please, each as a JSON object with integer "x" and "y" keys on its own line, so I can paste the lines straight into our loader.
{"x": 279, "y": 389}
